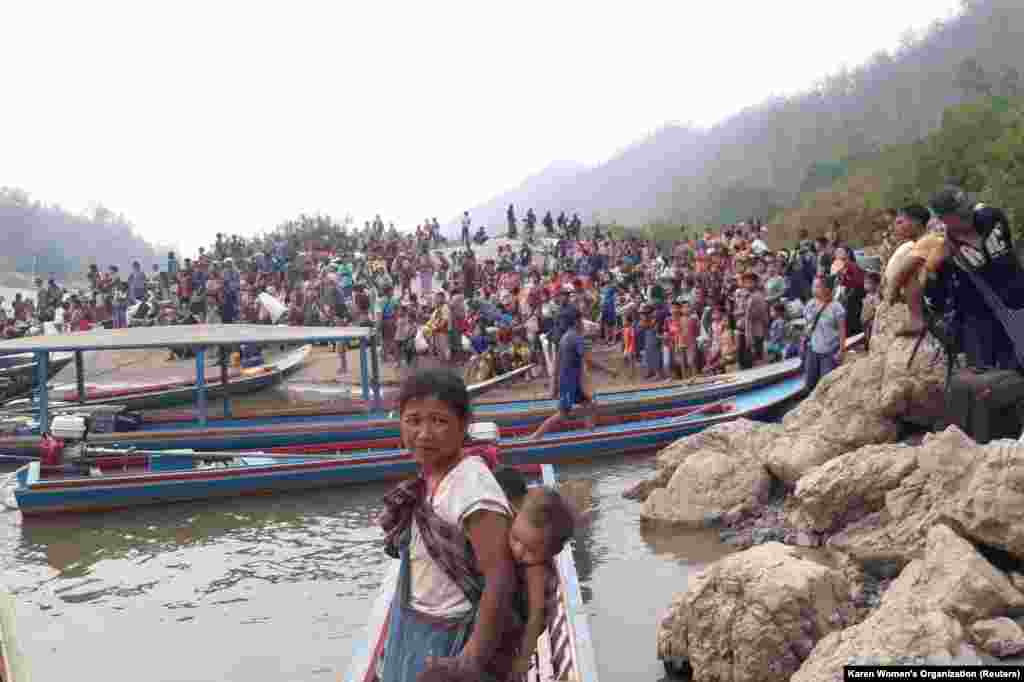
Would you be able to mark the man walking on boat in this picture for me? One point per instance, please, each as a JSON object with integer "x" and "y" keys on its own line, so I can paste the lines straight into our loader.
{"x": 574, "y": 357}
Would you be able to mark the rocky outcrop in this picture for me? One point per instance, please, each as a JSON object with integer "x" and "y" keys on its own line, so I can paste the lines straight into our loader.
{"x": 850, "y": 486}
{"x": 727, "y": 437}
{"x": 1000, "y": 637}
{"x": 861, "y": 402}
{"x": 755, "y": 615}
{"x": 988, "y": 501}
{"x": 979, "y": 487}
{"x": 713, "y": 476}
{"x": 924, "y": 613}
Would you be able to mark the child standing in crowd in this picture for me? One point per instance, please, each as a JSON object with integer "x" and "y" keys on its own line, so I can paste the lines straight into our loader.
{"x": 629, "y": 344}
{"x": 405, "y": 337}
{"x": 776, "y": 344}
{"x": 872, "y": 299}
{"x": 686, "y": 344}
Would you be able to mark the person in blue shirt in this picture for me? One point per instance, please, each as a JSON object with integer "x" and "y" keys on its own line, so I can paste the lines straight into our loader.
{"x": 574, "y": 358}
{"x": 479, "y": 341}
{"x": 232, "y": 291}
{"x": 608, "y": 316}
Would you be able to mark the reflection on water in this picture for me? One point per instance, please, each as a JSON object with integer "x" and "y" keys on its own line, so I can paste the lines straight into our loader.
{"x": 278, "y": 588}
{"x": 253, "y": 588}
{"x": 629, "y": 573}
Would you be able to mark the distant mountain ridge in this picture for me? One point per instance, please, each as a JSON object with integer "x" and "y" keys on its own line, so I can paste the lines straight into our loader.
{"x": 621, "y": 189}
{"x": 756, "y": 162}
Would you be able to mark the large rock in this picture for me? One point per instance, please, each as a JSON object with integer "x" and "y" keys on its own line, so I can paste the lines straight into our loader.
{"x": 1000, "y": 637}
{"x": 840, "y": 415}
{"x": 755, "y": 615}
{"x": 715, "y": 478}
{"x": 917, "y": 391}
{"x": 850, "y": 486}
{"x": 989, "y": 500}
{"x": 898, "y": 530}
{"x": 861, "y": 402}
{"x": 979, "y": 487}
{"x": 727, "y": 437}
{"x": 922, "y": 612}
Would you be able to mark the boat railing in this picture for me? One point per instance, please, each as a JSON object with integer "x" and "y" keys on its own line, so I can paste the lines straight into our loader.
{"x": 13, "y": 667}
{"x": 567, "y": 650}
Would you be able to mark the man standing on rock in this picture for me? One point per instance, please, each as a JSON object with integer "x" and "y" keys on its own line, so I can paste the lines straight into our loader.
{"x": 826, "y": 335}
{"x": 978, "y": 277}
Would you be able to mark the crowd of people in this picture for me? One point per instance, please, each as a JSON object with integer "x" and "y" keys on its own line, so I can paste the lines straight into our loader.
{"x": 483, "y": 559}
{"x": 705, "y": 303}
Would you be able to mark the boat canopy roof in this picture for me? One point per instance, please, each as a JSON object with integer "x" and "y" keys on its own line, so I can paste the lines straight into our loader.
{"x": 193, "y": 335}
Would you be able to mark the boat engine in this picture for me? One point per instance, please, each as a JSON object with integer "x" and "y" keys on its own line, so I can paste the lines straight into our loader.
{"x": 483, "y": 441}
{"x": 65, "y": 440}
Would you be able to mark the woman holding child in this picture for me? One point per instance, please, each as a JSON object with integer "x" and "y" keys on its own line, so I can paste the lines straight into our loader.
{"x": 453, "y": 530}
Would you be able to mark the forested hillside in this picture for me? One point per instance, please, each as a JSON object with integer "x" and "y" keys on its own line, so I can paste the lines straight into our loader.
{"x": 51, "y": 239}
{"x": 980, "y": 146}
{"x": 758, "y": 161}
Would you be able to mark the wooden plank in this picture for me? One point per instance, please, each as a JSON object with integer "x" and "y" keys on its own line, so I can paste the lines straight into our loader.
{"x": 14, "y": 666}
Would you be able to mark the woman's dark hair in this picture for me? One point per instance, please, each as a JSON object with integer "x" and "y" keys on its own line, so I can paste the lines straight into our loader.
{"x": 917, "y": 213}
{"x": 442, "y": 384}
{"x": 512, "y": 482}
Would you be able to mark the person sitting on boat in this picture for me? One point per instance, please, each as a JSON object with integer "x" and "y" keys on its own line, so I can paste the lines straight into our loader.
{"x": 449, "y": 527}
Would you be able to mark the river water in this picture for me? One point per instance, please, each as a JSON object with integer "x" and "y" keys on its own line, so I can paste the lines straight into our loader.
{"x": 278, "y": 588}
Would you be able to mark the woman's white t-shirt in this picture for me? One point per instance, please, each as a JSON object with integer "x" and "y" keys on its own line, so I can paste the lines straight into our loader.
{"x": 469, "y": 487}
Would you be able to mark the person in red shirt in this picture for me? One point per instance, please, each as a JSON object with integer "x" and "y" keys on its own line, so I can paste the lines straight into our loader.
{"x": 20, "y": 309}
{"x": 686, "y": 343}
{"x": 185, "y": 283}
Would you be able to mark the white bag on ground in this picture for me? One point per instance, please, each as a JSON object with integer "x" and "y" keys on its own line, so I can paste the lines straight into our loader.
{"x": 421, "y": 341}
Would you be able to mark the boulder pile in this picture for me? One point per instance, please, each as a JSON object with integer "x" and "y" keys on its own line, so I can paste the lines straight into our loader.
{"x": 873, "y": 549}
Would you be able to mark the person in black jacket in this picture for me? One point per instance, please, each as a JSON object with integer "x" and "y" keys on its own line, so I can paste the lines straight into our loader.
{"x": 978, "y": 282}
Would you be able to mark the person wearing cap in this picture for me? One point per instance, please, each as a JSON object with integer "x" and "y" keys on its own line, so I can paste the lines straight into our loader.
{"x": 978, "y": 278}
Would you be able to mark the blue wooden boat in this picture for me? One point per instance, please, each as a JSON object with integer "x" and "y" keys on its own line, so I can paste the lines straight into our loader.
{"x": 330, "y": 433}
{"x": 141, "y": 478}
{"x": 565, "y": 650}
{"x": 163, "y": 393}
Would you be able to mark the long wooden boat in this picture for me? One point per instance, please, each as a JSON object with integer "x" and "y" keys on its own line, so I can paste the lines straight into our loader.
{"x": 142, "y": 478}
{"x": 311, "y": 433}
{"x": 18, "y": 376}
{"x": 135, "y": 396}
{"x": 565, "y": 650}
{"x": 13, "y": 667}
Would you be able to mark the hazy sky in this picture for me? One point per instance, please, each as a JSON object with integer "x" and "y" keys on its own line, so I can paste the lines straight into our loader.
{"x": 199, "y": 117}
